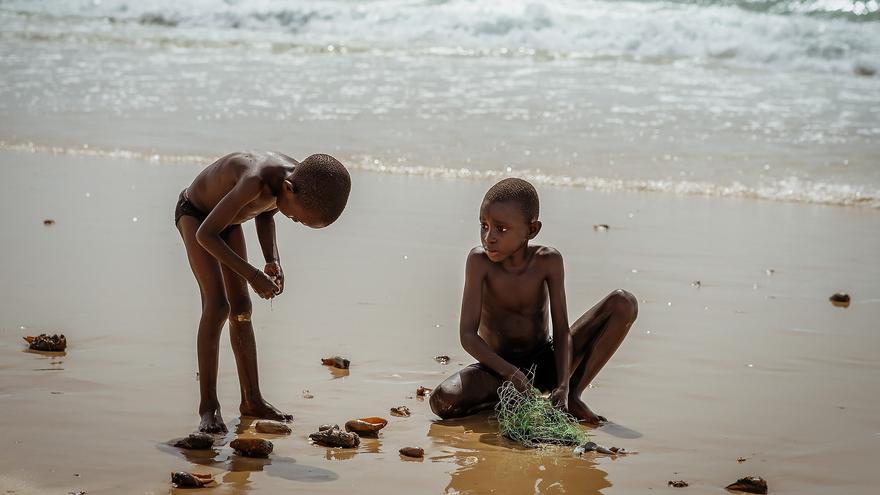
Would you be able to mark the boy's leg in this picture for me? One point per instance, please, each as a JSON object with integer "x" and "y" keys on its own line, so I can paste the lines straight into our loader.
{"x": 241, "y": 334}
{"x": 469, "y": 391}
{"x": 206, "y": 269}
{"x": 595, "y": 337}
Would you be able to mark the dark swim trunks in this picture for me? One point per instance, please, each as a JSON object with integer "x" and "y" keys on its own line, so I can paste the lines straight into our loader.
{"x": 543, "y": 361}
{"x": 185, "y": 207}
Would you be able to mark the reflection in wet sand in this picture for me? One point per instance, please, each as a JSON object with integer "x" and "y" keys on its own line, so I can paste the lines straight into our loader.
{"x": 488, "y": 462}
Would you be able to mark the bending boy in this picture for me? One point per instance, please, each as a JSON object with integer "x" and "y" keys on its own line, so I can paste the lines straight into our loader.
{"x": 234, "y": 189}
{"x": 510, "y": 287}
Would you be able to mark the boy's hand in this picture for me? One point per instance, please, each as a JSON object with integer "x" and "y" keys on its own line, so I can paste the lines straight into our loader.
{"x": 263, "y": 285}
{"x": 520, "y": 381}
{"x": 274, "y": 271}
{"x": 559, "y": 398}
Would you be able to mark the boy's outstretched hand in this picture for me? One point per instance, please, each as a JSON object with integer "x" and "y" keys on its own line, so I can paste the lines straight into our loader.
{"x": 274, "y": 271}
{"x": 559, "y": 398}
{"x": 263, "y": 285}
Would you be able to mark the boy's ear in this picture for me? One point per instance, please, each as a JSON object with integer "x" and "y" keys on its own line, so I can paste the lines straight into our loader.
{"x": 289, "y": 186}
{"x": 534, "y": 228}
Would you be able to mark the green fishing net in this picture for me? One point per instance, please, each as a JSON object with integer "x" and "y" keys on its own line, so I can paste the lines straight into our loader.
{"x": 530, "y": 419}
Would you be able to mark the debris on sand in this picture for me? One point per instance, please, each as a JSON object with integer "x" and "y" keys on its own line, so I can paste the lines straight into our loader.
{"x": 307, "y": 394}
{"x": 46, "y": 343}
{"x": 183, "y": 479}
{"x": 47, "y": 222}
{"x": 840, "y": 299}
{"x": 423, "y": 391}
{"x": 196, "y": 441}
{"x": 336, "y": 362}
{"x": 401, "y": 411}
{"x": 442, "y": 359}
{"x": 252, "y": 447}
{"x": 601, "y": 227}
{"x": 749, "y": 484}
{"x": 271, "y": 427}
{"x": 366, "y": 427}
{"x": 678, "y": 483}
{"x": 412, "y": 452}
{"x": 595, "y": 447}
{"x": 697, "y": 284}
{"x": 332, "y": 436}
{"x": 741, "y": 460}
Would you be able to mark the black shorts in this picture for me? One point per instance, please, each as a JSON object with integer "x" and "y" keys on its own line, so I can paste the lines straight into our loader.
{"x": 185, "y": 207}
{"x": 542, "y": 360}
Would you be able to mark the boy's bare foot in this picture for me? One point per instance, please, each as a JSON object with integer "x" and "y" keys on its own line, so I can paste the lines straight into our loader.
{"x": 581, "y": 412}
{"x": 212, "y": 422}
{"x": 263, "y": 410}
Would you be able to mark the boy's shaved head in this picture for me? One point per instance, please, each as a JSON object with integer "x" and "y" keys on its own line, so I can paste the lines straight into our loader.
{"x": 323, "y": 184}
{"x": 518, "y": 191}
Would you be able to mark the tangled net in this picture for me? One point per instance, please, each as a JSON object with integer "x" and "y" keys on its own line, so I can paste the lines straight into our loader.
{"x": 531, "y": 420}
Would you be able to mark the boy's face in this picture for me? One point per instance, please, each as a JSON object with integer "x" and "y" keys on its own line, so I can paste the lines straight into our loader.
{"x": 291, "y": 206}
{"x": 504, "y": 229}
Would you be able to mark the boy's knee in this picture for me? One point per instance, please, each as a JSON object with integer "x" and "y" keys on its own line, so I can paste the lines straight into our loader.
{"x": 240, "y": 310}
{"x": 215, "y": 310}
{"x": 441, "y": 403}
{"x": 624, "y": 303}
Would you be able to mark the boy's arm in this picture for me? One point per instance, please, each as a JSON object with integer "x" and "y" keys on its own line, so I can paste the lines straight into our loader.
{"x": 561, "y": 331}
{"x": 208, "y": 235}
{"x": 266, "y": 235}
{"x": 471, "y": 307}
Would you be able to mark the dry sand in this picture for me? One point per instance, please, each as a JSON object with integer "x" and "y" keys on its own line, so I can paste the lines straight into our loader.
{"x": 749, "y": 365}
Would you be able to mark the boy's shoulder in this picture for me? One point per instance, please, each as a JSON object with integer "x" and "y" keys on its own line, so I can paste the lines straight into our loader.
{"x": 542, "y": 254}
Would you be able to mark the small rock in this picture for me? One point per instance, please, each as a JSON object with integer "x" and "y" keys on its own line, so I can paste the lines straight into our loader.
{"x": 442, "y": 359}
{"x": 366, "y": 427}
{"x": 48, "y": 222}
{"x": 271, "y": 427}
{"x": 678, "y": 483}
{"x": 183, "y": 479}
{"x": 412, "y": 452}
{"x": 401, "y": 411}
{"x": 423, "y": 391}
{"x": 749, "y": 484}
{"x": 601, "y": 227}
{"x": 336, "y": 362}
{"x": 697, "y": 284}
{"x": 307, "y": 395}
{"x": 46, "y": 343}
{"x": 196, "y": 441}
{"x": 328, "y": 427}
{"x": 334, "y": 437}
{"x": 252, "y": 447}
{"x": 840, "y": 299}
{"x": 741, "y": 460}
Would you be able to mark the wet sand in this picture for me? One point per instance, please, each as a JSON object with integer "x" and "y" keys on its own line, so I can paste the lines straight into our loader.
{"x": 750, "y": 364}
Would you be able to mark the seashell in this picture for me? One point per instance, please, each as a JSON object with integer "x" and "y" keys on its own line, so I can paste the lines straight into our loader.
{"x": 678, "y": 483}
{"x": 366, "y": 427}
{"x": 252, "y": 447}
{"x": 196, "y": 441}
{"x": 336, "y": 362}
{"x": 442, "y": 359}
{"x": 840, "y": 299}
{"x": 271, "y": 427}
{"x": 334, "y": 437}
{"x": 412, "y": 452}
{"x": 401, "y": 411}
{"x": 183, "y": 479}
{"x": 749, "y": 484}
{"x": 422, "y": 391}
{"x": 601, "y": 227}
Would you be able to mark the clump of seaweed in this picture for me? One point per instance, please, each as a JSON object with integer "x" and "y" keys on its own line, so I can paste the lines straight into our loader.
{"x": 529, "y": 418}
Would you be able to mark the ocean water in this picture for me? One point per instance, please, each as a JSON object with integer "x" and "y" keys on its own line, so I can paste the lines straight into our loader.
{"x": 775, "y": 100}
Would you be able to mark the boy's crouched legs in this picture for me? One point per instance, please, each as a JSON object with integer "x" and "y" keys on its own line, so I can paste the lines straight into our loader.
{"x": 469, "y": 391}
{"x": 595, "y": 337}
